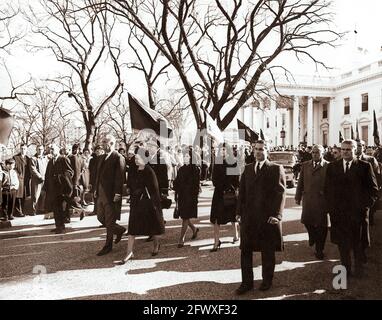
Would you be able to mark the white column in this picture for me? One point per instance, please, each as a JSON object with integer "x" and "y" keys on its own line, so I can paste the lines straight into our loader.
{"x": 252, "y": 123}
{"x": 242, "y": 114}
{"x": 296, "y": 129}
{"x": 273, "y": 116}
{"x": 334, "y": 128}
{"x": 309, "y": 125}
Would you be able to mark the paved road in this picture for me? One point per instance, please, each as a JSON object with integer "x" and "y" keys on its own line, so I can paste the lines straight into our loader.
{"x": 36, "y": 264}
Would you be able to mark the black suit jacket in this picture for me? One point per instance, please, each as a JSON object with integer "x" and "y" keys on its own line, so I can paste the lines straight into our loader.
{"x": 58, "y": 181}
{"x": 261, "y": 196}
{"x": 111, "y": 175}
{"x": 352, "y": 194}
{"x": 77, "y": 163}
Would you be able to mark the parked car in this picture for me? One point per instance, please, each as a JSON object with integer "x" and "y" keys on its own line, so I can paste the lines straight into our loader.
{"x": 288, "y": 160}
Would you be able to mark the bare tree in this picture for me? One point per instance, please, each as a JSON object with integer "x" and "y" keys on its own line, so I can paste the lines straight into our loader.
{"x": 81, "y": 39}
{"x": 230, "y": 45}
{"x": 10, "y": 33}
{"x": 148, "y": 58}
{"x": 40, "y": 118}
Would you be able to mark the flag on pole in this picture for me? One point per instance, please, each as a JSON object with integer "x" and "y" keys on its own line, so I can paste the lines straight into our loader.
{"x": 375, "y": 131}
{"x": 262, "y": 135}
{"x": 145, "y": 118}
{"x": 341, "y": 137}
{"x": 356, "y": 131}
{"x": 250, "y": 135}
{"x": 6, "y": 126}
{"x": 352, "y": 133}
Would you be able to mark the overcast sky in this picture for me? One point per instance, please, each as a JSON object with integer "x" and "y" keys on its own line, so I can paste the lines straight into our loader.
{"x": 364, "y": 16}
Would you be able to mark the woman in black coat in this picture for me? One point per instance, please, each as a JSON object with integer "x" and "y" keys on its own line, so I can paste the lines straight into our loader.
{"x": 146, "y": 217}
{"x": 225, "y": 177}
{"x": 186, "y": 186}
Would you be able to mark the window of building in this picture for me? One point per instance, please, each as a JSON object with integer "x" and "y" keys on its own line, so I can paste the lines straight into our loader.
{"x": 365, "y": 102}
{"x": 325, "y": 111}
{"x": 365, "y": 134}
{"x": 347, "y": 106}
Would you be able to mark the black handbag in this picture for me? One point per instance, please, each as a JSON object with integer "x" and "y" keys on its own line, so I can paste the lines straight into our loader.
{"x": 165, "y": 202}
{"x": 230, "y": 197}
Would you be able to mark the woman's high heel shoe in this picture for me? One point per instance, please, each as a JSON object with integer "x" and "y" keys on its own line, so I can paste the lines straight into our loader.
{"x": 180, "y": 245}
{"x": 214, "y": 249}
{"x": 234, "y": 240}
{"x": 195, "y": 234}
{"x": 130, "y": 256}
{"x": 155, "y": 252}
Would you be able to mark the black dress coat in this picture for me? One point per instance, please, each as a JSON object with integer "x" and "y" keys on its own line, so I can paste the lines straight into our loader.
{"x": 186, "y": 186}
{"x": 261, "y": 196}
{"x": 78, "y": 165}
{"x": 349, "y": 197}
{"x": 310, "y": 189}
{"x": 111, "y": 175}
{"x": 146, "y": 216}
{"x": 22, "y": 167}
{"x": 222, "y": 181}
{"x": 58, "y": 182}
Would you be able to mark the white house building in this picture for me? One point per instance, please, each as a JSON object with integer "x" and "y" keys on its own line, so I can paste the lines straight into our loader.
{"x": 321, "y": 107}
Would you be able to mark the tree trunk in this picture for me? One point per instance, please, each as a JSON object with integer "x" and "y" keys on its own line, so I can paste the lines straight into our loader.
{"x": 90, "y": 132}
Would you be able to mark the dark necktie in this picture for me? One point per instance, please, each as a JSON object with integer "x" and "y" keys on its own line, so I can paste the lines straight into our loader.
{"x": 258, "y": 168}
{"x": 347, "y": 167}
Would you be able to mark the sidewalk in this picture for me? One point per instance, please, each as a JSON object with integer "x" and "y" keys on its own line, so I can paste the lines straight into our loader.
{"x": 73, "y": 271}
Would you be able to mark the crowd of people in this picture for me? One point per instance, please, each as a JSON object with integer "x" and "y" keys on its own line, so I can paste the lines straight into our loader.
{"x": 337, "y": 186}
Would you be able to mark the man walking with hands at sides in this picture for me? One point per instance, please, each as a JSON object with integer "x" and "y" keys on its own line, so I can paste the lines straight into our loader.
{"x": 310, "y": 189}
{"x": 350, "y": 190}
{"x": 110, "y": 177}
{"x": 260, "y": 205}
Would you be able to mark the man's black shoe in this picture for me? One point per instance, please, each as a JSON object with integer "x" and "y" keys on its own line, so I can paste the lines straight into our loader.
{"x": 60, "y": 230}
{"x": 119, "y": 236}
{"x": 104, "y": 250}
{"x": 67, "y": 220}
{"x": 243, "y": 289}
{"x": 265, "y": 286}
{"x": 319, "y": 255}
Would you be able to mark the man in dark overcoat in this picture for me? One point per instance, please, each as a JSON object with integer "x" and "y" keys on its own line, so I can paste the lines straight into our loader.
{"x": 22, "y": 167}
{"x": 260, "y": 206}
{"x": 77, "y": 163}
{"x": 58, "y": 187}
{"x": 361, "y": 147}
{"x": 108, "y": 187}
{"x": 350, "y": 190}
{"x": 310, "y": 189}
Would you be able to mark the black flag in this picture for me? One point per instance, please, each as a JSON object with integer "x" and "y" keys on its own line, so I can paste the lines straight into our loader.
{"x": 375, "y": 131}
{"x": 341, "y": 137}
{"x": 250, "y": 135}
{"x": 145, "y": 118}
{"x": 262, "y": 135}
{"x": 6, "y": 126}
